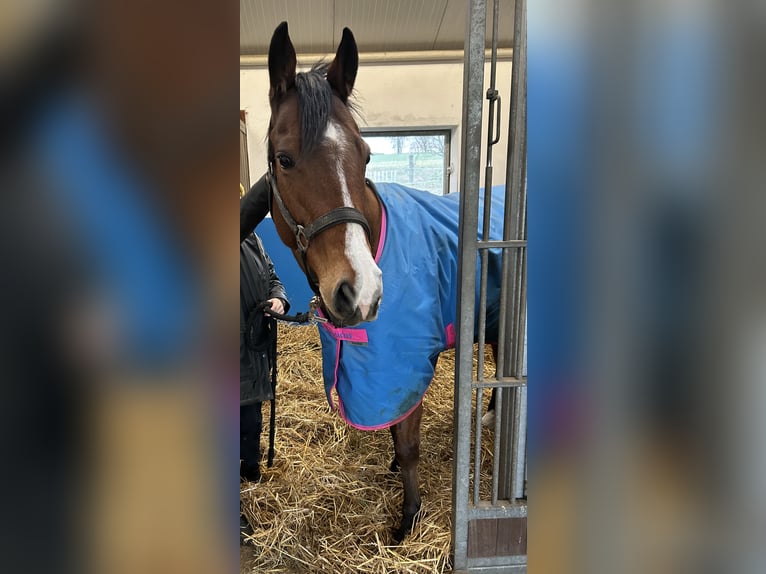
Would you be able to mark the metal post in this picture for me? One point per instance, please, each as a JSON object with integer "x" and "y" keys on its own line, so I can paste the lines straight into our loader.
{"x": 470, "y": 171}
{"x": 493, "y": 136}
{"x": 514, "y": 265}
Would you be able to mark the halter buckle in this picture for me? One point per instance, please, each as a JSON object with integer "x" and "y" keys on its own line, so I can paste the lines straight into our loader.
{"x": 314, "y": 304}
{"x": 301, "y": 239}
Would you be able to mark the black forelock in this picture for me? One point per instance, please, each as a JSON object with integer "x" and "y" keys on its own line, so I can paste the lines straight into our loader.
{"x": 314, "y": 103}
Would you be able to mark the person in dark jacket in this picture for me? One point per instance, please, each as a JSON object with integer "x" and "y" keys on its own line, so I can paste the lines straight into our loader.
{"x": 259, "y": 284}
{"x": 257, "y": 340}
{"x": 253, "y": 207}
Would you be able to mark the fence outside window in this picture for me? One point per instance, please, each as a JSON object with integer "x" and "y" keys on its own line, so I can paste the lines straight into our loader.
{"x": 415, "y": 158}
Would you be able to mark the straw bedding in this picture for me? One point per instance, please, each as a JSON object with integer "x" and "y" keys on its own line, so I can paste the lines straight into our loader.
{"x": 329, "y": 503}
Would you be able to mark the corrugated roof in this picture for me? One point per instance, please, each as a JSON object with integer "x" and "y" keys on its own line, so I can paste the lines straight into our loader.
{"x": 378, "y": 25}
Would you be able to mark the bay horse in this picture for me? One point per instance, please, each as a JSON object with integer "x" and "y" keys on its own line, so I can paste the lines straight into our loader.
{"x": 350, "y": 236}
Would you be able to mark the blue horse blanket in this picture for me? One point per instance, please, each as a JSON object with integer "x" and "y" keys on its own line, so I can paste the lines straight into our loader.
{"x": 381, "y": 370}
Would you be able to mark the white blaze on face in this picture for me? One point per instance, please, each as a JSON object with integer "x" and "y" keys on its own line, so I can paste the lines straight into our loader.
{"x": 368, "y": 284}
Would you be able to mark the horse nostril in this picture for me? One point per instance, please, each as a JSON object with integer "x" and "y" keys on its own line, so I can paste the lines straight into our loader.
{"x": 345, "y": 299}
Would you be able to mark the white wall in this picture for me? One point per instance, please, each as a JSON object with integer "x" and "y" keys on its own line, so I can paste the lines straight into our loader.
{"x": 391, "y": 96}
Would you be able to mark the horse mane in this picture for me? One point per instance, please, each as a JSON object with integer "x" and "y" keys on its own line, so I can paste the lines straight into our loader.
{"x": 315, "y": 104}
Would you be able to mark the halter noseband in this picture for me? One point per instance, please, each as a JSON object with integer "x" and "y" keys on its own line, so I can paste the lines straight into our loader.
{"x": 304, "y": 234}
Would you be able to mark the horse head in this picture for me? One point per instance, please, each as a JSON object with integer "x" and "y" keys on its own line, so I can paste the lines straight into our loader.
{"x": 317, "y": 159}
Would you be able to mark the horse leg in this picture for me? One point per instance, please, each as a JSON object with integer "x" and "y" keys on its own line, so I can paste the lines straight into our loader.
{"x": 406, "y": 435}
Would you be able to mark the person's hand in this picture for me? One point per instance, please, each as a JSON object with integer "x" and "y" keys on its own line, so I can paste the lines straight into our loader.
{"x": 277, "y": 306}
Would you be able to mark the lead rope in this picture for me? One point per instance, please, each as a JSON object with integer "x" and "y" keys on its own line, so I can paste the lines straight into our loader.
{"x": 305, "y": 317}
{"x": 273, "y": 412}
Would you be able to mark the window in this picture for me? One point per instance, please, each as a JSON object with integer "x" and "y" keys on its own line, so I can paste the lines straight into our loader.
{"x": 415, "y": 158}
{"x": 244, "y": 164}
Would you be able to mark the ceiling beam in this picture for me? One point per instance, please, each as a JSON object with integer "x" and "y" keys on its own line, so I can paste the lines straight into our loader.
{"x": 425, "y": 56}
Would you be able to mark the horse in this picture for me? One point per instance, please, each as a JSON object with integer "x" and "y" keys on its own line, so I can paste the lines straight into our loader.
{"x": 349, "y": 236}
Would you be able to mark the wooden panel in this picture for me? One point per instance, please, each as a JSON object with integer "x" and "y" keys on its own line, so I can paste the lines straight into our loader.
{"x": 482, "y": 538}
{"x": 497, "y": 537}
{"x": 511, "y": 537}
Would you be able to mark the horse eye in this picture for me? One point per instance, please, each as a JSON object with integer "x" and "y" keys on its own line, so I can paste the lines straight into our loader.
{"x": 285, "y": 161}
{"x": 368, "y": 159}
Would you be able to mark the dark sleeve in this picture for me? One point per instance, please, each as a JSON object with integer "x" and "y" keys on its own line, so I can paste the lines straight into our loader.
{"x": 276, "y": 289}
{"x": 253, "y": 207}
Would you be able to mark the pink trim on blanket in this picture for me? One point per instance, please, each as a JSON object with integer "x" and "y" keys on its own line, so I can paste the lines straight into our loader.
{"x": 376, "y": 427}
{"x": 450, "y": 334}
{"x": 338, "y": 334}
{"x": 360, "y": 336}
{"x": 346, "y": 334}
{"x": 335, "y": 378}
{"x": 382, "y": 237}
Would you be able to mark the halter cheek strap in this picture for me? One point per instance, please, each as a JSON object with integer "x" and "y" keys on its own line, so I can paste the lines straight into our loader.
{"x": 304, "y": 234}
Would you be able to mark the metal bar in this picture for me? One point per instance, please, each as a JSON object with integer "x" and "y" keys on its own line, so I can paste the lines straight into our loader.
{"x": 516, "y": 172}
{"x": 520, "y": 291}
{"x": 493, "y": 54}
{"x": 487, "y": 564}
{"x": 500, "y": 358}
{"x": 526, "y": 468}
{"x": 501, "y": 569}
{"x": 497, "y": 565}
{"x": 505, "y": 283}
{"x": 447, "y": 160}
{"x": 505, "y": 244}
{"x": 521, "y": 311}
{"x": 506, "y": 439}
{"x": 513, "y": 433}
{"x": 511, "y": 436}
{"x": 477, "y": 448}
{"x": 517, "y": 305}
{"x": 520, "y": 424}
{"x": 493, "y": 136}
{"x": 517, "y": 408}
{"x": 519, "y": 125}
{"x": 496, "y": 445}
{"x": 519, "y": 394}
{"x": 470, "y": 159}
{"x": 482, "y": 326}
{"x": 515, "y": 179}
{"x": 520, "y": 454}
{"x": 500, "y": 383}
{"x": 501, "y": 510}
{"x": 517, "y": 140}
{"x": 493, "y": 98}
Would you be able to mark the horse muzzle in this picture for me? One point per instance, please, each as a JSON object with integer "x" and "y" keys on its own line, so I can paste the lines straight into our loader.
{"x": 349, "y": 307}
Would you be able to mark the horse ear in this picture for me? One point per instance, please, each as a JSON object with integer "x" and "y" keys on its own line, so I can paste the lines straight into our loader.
{"x": 342, "y": 72}
{"x": 281, "y": 63}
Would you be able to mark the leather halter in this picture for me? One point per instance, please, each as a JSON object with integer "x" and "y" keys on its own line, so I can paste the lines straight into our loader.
{"x": 304, "y": 234}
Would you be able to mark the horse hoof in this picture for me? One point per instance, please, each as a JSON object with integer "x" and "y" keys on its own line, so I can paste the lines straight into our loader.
{"x": 399, "y": 534}
{"x": 404, "y": 529}
{"x": 488, "y": 420}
